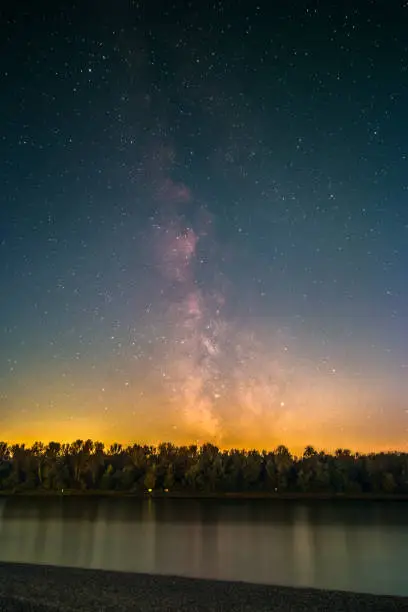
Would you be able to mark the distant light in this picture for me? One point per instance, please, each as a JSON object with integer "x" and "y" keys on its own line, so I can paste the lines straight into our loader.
{"x": 149, "y": 490}
{"x": 166, "y": 490}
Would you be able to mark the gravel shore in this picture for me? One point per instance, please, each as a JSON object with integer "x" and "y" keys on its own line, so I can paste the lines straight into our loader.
{"x": 36, "y": 588}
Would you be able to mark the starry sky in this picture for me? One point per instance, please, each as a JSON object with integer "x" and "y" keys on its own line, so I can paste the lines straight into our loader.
{"x": 204, "y": 223}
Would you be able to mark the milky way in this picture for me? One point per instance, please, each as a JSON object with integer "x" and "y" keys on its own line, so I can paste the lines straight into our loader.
{"x": 223, "y": 378}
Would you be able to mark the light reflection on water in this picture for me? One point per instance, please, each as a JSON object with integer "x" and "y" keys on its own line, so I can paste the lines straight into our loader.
{"x": 354, "y": 546}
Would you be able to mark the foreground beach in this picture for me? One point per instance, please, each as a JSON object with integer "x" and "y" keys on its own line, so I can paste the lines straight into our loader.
{"x": 34, "y": 588}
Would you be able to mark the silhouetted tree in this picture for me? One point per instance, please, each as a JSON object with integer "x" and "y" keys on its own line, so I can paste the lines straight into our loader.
{"x": 87, "y": 465}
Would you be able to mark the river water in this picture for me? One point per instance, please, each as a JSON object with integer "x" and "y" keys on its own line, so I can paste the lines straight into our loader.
{"x": 356, "y": 546}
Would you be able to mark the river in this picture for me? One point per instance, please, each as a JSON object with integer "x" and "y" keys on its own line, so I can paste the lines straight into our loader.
{"x": 354, "y": 546}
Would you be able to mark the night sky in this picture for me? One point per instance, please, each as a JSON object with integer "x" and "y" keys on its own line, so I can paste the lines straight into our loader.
{"x": 204, "y": 223}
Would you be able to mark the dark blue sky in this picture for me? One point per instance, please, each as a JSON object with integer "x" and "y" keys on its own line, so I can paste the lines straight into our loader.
{"x": 204, "y": 222}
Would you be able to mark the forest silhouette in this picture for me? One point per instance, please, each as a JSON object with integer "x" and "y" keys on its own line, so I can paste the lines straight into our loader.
{"x": 88, "y": 466}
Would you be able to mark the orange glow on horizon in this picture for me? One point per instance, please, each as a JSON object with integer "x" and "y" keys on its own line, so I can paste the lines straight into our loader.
{"x": 325, "y": 412}
{"x": 69, "y": 431}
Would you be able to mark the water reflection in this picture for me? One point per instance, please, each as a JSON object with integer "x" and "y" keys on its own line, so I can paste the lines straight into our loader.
{"x": 351, "y": 546}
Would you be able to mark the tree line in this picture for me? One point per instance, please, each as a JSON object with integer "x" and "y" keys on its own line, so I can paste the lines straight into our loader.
{"x": 89, "y": 466}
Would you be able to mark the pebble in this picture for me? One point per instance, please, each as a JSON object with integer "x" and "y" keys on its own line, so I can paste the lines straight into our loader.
{"x": 35, "y": 588}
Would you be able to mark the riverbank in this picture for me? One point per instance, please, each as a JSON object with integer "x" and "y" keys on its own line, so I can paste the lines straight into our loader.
{"x": 198, "y": 495}
{"x": 34, "y": 588}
